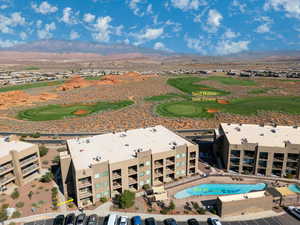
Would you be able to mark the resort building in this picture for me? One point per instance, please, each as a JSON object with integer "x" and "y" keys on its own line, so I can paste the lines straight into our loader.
{"x": 106, "y": 165}
{"x": 259, "y": 149}
{"x": 243, "y": 204}
{"x": 19, "y": 162}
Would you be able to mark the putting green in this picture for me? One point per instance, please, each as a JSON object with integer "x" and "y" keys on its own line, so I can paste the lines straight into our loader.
{"x": 243, "y": 106}
{"x": 58, "y": 112}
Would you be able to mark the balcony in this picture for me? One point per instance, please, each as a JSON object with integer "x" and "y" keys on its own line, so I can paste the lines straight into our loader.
{"x": 293, "y": 159}
{"x": 234, "y": 163}
{"x": 132, "y": 171}
{"x": 6, "y": 179}
{"x": 85, "y": 182}
{"x": 25, "y": 161}
{"x": 159, "y": 163}
{"x": 116, "y": 176}
{"x": 132, "y": 180}
{"x": 30, "y": 169}
{"x": 170, "y": 171}
{"x": 158, "y": 173}
{"x": 85, "y": 194}
{"x": 117, "y": 185}
{"x": 6, "y": 168}
{"x": 192, "y": 155}
{"x": 170, "y": 162}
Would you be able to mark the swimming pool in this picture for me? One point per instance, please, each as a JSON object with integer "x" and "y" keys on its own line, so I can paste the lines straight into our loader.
{"x": 294, "y": 188}
{"x": 219, "y": 189}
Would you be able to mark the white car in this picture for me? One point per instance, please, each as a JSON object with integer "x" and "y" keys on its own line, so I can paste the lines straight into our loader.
{"x": 123, "y": 220}
{"x": 295, "y": 211}
{"x": 214, "y": 221}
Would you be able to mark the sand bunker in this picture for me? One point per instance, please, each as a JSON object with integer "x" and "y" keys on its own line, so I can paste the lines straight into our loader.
{"x": 212, "y": 110}
{"x": 80, "y": 112}
{"x": 79, "y": 82}
{"x": 222, "y": 101}
{"x": 19, "y": 98}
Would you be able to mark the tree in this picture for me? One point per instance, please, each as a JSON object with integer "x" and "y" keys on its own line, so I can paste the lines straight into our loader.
{"x": 15, "y": 194}
{"x": 46, "y": 178}
{"x": 126, "y": 199}
{"x": 172, "y": 205}
{"x": 43, "y": 150}
{"x": 56, "y": 160}
{"x": 30, "y": 194}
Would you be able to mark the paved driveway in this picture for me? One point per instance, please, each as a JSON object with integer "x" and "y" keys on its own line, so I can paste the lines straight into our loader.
{"x": 280, "y": 220}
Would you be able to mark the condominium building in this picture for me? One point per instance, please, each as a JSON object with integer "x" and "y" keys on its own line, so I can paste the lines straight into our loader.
{"x": 108, "y": 164}
{"x": 19, "y": 162}
{"x": 267, "y": 150}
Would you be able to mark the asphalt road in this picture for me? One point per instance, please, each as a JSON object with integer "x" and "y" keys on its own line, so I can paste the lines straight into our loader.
{"x": 280, "y": 220}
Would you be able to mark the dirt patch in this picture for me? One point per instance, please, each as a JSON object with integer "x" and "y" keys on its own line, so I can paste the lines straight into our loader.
{"x": 212, "y": 110}
{"x": 80, "y": 112}
{"x": 222, "y": 101}
{"x": 19, "y": 98}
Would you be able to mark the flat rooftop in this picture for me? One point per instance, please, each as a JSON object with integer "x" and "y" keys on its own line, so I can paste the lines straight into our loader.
{"x": 269, "y": 136}
{"x": 240, "y": 197}
{"x": 120, "y": 146}
{"x": 6, "y": 146}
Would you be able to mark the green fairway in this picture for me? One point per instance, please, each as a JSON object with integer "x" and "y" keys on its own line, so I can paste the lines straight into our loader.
{"x": 187, "y": 85}
{"x": 232, "y": 81}
{"x": 32, "y": 68}
{"x": 57, "y": 112}
{"x": 30, "y": 85}
{"x": 243, "y": 106}
{"x": 260, "y": 91}
{"x": 165, "y": 97}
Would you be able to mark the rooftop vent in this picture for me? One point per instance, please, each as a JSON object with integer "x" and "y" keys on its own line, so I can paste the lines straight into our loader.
{"x": 274, "y": 125}
{"x": 273, "y": 130}
{"x": 81, "y": 150}
{"x": 87, "y": 141}
{"x": 90, "y": 165}
{"x": 295, "y": 127}
{"x": 244, "y": 140}
{"x": 126, "y": 145}
{"x": 123, "y": 135}
{"x": 98, "y": 158}
{"x": 261, "y": 125}
{"x": 262, "y": 135}
{"x": 238, "y": 129}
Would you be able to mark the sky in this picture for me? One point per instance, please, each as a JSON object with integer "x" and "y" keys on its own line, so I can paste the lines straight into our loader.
{"x": 204, "y": 27}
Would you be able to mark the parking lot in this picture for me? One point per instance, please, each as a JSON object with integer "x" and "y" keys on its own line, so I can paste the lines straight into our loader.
{"x": 280, "y": 220}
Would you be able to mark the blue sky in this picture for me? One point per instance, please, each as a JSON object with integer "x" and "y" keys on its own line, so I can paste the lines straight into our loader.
{"x": 205, "y": 27}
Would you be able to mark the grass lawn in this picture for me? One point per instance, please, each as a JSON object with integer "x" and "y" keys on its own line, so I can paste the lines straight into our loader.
{"x": 31, "y": 85}
{"x": 58, "y": 112}
{"x": 260, "y": 91}
{"x": 32, "y": 68}
{"x": 243, "y": 106}
{"x": 232, "y": 81}
{"x": 165, "y": 97}
{"x": 187, "y": 85}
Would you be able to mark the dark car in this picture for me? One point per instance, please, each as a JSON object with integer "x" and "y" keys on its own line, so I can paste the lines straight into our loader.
{"x": 92, "y": 220}
{"x": 70, "y": 219}
{"x": 170, "y": 221}
{"x": 59, "y": 220}
{"x": 80, "y": 219}
{"x": 150, "y": 221}
{"x": 192, "y": 222}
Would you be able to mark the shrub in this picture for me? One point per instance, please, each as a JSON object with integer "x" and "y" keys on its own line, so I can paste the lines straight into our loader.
{"x": 164, "y": 211}
{"x": 16, "y": 214}
{"x": 46, "y": 178}
{"x": 62, "y": 149}
{"x": 30, "y": 194}
{"x": 126, "y": 199}
{"x": 35, "y": 135}
{"x": 43, "y": 150}
{"x": 12, "y": 223}
{"x": 103, "y": 199}
{"x": 172, "y": 205}
{"x": 45, "y": 162}
{"x": 56, "y": 160}
{"x": 201, "y": 211}
{"x": 19, "y": 204}
{"x": 15, "y": 194}
{"x": 146, "y": 187}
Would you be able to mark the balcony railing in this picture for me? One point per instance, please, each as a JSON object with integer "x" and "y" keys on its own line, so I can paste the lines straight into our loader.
{"x": 117, "y": 185}
{"x": 5, "y": 179}
{"x": 132, "y": 181}
{"x": 22, "y": 162}
{"x": 116, "y": 175}
{"x": 6, "y": 167}
{"x": 132, "y": 171}
{"x": 85, "y": 183}
{"x": 278, "y": 158}
{"x": 170, "y": 162}
{"x": 158, "y": 164}
{"x": 293, "y": 159}
{"x": 30, "y": 168}
{"x": 85, "y": 194}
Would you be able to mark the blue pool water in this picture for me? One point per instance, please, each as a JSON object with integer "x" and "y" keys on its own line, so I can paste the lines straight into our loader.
{"x": 294, "y": 188}
{"x": 219, "y": 189}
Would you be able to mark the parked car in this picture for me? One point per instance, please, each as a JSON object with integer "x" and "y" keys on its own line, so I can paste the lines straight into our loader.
{"x": 192, "y": 222}
{"x": 214, "y": 221}
{"x": 170, "y": 221}
{"x": 92, "y": 220}
{"x": 150, "y": 221}
{"x": 295, "y": 211}
{"x": 137, "y": 220}
{"x": 112, "y": 219}
{"x": 70, "y": 219}
{"x": 123, "y": 220}
{"x": 80, "y": 219}
{"x": 59, "y": 220}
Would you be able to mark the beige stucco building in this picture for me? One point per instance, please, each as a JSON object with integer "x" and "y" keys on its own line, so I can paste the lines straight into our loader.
{"x": 19, "y": 162}
{"x": 105, "y": 165}
{"x": 259, "y": 149}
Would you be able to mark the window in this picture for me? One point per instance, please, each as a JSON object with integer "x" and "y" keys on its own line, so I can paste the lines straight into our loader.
{"x": 147, "y": 163}
{"x": 182, "y": 172}
{"x": 98, "y": 186}
{"x": 98, "y": 196}
{"x": 142, "y": 174}
{"x": 148, "y": 181}
{"x": 177, "y": 172}
{"x": 141, "y": 165}
{"x": 103, "y": 174}
{"x": 177, "y": 156}
{"x": 141, "y": 183}
{"x": 183, "y": 155}
{"x": 148, "y": 172}
{"x": 97, "y": 175}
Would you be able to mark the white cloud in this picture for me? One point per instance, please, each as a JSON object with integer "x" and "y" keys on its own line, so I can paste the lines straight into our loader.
{"x": 133, "y": 5}
{"x": 213, "y": 20}
{"x": 8, "y": 43}
{"x": 74, "y": 35}
{"x": 102, "y": 29}
{"x": 186, "y": 5}
{"x": 39, "y": 24}
{"x": 8, "y": 23}
{"x": 148, "y": 35}
{"x": 149, "y": 9}
{"x": 88, "y": 17}
{"x": 46, "y": 33}
{"x": 230, "y": 34}
{"x": 68, "y": 16}
{"x": 160, "y": 46}
{"x": 241, "y": 6}
{"x": 44, "y": 8}
{"x": 291, "y": 7}
{"x": 264, "y": 28}
{"x": 23, "y": 36}
{"x": 225, "y": 47}
{"x": 198, "y": 44}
